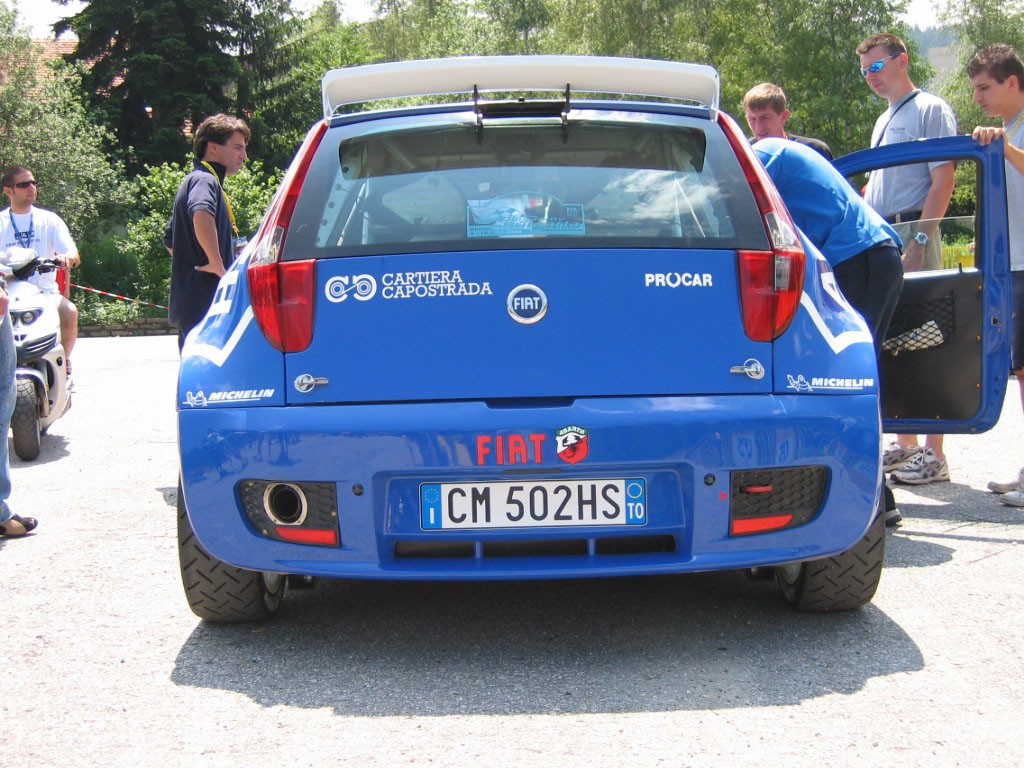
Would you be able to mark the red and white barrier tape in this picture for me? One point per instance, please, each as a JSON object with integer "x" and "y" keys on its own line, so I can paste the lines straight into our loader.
{"x": 116, "y": 296}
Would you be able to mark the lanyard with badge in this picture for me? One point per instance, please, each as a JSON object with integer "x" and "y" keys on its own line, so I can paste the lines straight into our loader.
{"x": 902, "y": 104}
{"x": 24, "y": 238}
{"x": 237, "y": 242}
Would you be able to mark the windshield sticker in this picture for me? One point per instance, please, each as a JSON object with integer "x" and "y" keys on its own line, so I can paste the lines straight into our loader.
{"x": 828, "y": 383}
{"x": 436, "y": 284}
{"x": 524, "y": 214}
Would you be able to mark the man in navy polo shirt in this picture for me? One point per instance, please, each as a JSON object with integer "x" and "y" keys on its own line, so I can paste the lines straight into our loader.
{"x": 201, "y": 234}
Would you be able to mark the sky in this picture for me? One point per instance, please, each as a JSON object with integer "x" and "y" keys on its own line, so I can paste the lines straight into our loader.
{"x": 40, "y": 15}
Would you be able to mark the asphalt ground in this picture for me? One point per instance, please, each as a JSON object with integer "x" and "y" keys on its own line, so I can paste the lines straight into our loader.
{"x": 104, "y": 664}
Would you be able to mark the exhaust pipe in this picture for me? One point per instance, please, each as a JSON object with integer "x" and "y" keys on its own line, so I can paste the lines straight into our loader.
{"x": 285, "y": 503}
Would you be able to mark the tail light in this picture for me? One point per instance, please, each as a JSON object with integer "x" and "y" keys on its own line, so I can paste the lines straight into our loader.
{"x": 283, "y": 293}
{"x": 771, "y": 282}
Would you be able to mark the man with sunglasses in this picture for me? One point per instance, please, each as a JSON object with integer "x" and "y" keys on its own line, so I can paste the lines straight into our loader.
{"x": 912, "y": 198}
{"x": 30, "y": 227}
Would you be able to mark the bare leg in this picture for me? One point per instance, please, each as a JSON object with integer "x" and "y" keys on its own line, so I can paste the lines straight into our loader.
{"x": 68, "y": 325}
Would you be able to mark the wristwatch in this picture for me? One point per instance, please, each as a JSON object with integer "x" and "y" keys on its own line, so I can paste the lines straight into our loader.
{"x": 921, "y": 238}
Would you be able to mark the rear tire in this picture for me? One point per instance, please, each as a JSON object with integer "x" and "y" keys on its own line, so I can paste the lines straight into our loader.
{"x": 838, "y": 583}
{"x": 220, "y": 592}
{"x": 25, "y": 422}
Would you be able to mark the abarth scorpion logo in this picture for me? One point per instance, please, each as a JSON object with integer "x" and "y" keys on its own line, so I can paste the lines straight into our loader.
{"x": 572, "y": 444}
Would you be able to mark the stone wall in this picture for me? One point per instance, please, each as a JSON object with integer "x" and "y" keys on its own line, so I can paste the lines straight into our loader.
{"x": 143, "y": 326}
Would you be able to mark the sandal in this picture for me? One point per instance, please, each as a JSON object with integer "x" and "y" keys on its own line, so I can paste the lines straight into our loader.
{"x": 25, "y": 523}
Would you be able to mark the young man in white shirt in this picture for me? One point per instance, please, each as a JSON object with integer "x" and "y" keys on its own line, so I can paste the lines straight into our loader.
{"x": 997, "y": 79}
{"x": 30, "y": 227}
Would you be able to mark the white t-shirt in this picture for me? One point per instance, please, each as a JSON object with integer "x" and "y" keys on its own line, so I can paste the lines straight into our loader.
{"x": 903, "y": 188}
{"x": 1015, "y": 195}
{"x": 40, "y": 229}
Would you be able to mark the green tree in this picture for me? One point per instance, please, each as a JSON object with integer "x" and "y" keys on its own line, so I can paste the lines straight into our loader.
{"x": 154, "y": 190}
{"x": 975, "y": 25}
{"x": 285, "y": 105}
{"x": 422, "y": 29}
{"x": 639, "y": 28}
{"x": 515, "y": 26}
{"x": 52, "y": 134}
{"x": 267, "y": 49}
{"x": 808, "y": 48}
{"x": 154, "y": 67}
{"x": 805, "y": 46}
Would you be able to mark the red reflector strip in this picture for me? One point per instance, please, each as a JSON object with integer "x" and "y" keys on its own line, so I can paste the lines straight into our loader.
{"x": 757, "y": 489}
{"x": 323, "y": 536}
{"x": 760, "y": 524}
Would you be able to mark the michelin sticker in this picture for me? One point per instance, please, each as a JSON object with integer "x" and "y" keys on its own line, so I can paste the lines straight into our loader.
{"x": 201, "y": 399}
{"x": 435, "y": 284}
{"x": 828, "y": 383}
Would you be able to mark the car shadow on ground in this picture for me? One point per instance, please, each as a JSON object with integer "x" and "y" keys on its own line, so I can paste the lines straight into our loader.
{"x": 665, "y": 643}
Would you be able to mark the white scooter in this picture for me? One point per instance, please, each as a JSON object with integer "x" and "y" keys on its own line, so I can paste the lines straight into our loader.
{"x": 44, "y": 393}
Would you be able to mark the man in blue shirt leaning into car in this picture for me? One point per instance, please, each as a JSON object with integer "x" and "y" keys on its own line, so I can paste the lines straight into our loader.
{"x": 859, "y": 245}
{"x": 862, "y": 249}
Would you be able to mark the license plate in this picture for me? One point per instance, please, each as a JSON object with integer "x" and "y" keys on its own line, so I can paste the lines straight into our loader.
{"x": 533, "y": 504}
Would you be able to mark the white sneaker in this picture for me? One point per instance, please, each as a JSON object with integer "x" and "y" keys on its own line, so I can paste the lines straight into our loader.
{"x": 1013, "y": 498}
{"x": 897, "y": 457}
{"x": 1007, "y": 487}
{"x": 926, "y": 467}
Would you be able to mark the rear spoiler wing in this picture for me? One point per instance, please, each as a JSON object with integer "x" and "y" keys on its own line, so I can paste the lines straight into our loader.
{"x": 695, "y": 83}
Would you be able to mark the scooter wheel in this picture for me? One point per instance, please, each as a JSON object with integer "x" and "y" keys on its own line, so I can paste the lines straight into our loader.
{"x": 25, "y": 421}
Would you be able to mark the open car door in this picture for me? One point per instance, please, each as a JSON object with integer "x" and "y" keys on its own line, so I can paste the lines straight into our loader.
{"x": 946, "y": 358}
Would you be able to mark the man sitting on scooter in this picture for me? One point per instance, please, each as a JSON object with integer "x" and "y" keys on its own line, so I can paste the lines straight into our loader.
{"x": 30, "y": 227}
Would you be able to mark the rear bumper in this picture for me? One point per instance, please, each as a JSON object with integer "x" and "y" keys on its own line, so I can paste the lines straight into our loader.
{"x": 375, "y": 458}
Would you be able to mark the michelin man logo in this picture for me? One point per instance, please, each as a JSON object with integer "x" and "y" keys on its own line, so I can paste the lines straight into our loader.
{"x": 197, "y": 400}
{"x": 364, "y": 287}
{"x": 800, "y": 384}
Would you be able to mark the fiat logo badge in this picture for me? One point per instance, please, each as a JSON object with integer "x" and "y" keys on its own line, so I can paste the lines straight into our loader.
{"x": 527, "y": 304}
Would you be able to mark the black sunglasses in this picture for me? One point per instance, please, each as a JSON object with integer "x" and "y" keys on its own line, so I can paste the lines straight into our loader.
{"x": 27, "y": 184}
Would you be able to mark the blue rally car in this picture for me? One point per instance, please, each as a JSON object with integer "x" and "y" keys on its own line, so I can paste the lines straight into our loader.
{"x": 531, "y": 336}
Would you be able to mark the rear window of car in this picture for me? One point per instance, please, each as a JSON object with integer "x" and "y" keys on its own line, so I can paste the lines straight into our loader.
{"x": 449, "y": 183}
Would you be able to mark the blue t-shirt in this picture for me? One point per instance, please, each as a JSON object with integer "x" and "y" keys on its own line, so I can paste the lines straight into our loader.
{"x": 823, "y": 204}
